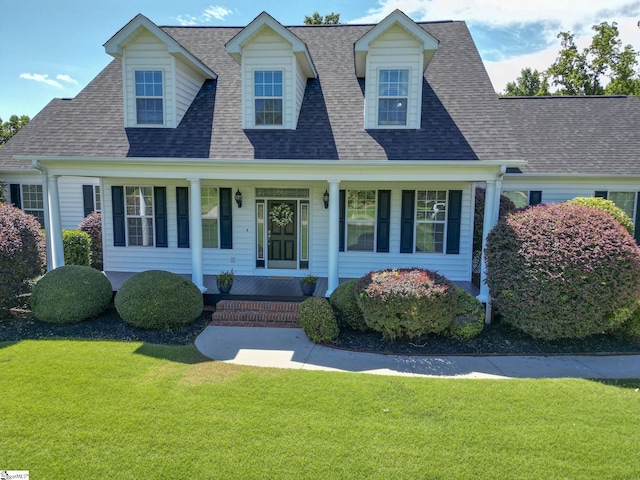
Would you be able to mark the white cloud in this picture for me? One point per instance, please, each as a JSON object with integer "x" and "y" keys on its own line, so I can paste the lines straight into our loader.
{"x": 37, "y": 77}
{"x": 67, "y": 78}
{"x": 549, "y": 16}
{"x": 217, "y": 12}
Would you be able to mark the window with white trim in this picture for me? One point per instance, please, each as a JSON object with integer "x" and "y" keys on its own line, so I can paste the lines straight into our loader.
{"x": 431, "y": 220}
{"x": 625, "y": 201}
{"x": 393, "y": 97}
{"x": 97, "y": 199}
{"x": 361, "y": 220}
{"x": 149, "y": 97}
{"x": 33, "y": 201}
{"x": 268, "y": 95}
{"x": 209, "y": 210}
{"x": 139, "y": 215}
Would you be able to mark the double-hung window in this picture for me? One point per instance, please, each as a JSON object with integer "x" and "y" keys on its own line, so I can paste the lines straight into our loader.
{"x": 431, "y": 220}
{"x": 33, "y": 202}
{"x": 361, "y": 220}
{"x": 139, "y": 213}
{"x": 267, "y": 87}
{"x": 149, "y": 104}
{"x": 209, "y": 211}
{"x": 393, "y": 97}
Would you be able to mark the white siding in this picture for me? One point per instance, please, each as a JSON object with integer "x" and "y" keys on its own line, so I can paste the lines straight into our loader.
{"x": 301, "y": 85}
{"x": 71, "y": 199}
{"x": 394, "y": 49}
{"x": 188, "y": 84}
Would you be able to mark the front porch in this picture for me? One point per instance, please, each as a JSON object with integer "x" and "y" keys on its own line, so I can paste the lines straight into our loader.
{"x": 252, "y": 287}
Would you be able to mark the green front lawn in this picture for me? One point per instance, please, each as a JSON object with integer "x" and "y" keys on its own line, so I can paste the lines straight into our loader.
{"x": 91, "y": 410}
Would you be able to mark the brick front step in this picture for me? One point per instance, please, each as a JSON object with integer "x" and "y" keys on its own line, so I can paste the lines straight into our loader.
{"x": 250, "y": 313}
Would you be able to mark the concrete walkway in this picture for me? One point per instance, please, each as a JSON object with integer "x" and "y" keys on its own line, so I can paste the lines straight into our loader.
{"x": 290, "y": 348}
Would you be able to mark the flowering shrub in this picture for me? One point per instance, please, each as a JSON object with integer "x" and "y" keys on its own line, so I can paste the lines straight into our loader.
{"x": 77, "y": 248}
{"x": 70, "y": 294}
{"x": 317, "y": 320}
{"x": 563, "y": 271}
{"x": 606, "y": 206}
{"x": 343, "y": 299}
{"x": 22, "y": 254}
{"x": 406, "y": 302}
{"x": 92, "y": 224}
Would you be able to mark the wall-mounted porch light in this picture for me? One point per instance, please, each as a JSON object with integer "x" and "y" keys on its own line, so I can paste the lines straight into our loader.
{"x": 239, "y": 198}
{"x": 325, "y": 199}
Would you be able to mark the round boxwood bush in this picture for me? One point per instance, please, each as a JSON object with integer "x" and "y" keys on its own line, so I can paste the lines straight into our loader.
{"x": 92, "y": 225}
{"x": 77, "y": 247}
{"x": 70, "y": 294}
{"x": 343, "y": 300}
{"x": 606, "y": 206}
{"x": 156, "y": 299}
{"x": 562, "y": 271}
{"x": 406, "y": 303}
{"x": 317, "y": 320}
{"x": 22, "y": 254}
{"x": 468, "y": 321}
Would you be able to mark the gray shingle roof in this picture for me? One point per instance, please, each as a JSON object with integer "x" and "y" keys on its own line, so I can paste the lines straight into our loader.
{"x": 462, "y": 118}
{"x": 580, "y": 135}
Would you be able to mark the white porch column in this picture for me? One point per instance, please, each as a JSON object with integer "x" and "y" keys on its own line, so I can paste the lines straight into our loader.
{"x": 54, "y": 231}
{"x": 333, "y": 273}
{"x": 491, "y": 211}
{"x": 195, "y": 235}
{"x": 47, "y": 237}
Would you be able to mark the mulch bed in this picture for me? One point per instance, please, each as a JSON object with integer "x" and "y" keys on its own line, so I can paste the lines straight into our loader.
{"x": 496, "y": 339}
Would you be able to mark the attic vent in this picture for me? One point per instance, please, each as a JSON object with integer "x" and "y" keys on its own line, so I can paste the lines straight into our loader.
{"x": 282, "y": 193}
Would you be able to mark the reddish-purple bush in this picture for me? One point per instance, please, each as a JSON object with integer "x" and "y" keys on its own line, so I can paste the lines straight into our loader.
{"x": 22, "y": 254}
{"x": 563, "y": 271}
{"x": 406, "y": 303}
{"x": 92, "y": 224}
{"x": 506, "y": 206}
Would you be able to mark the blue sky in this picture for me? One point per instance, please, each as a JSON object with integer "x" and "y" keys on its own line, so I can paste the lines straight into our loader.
{"x": 54, "y": 48}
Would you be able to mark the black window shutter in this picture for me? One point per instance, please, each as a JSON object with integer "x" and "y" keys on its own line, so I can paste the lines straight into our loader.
{"x": 454, "y": 217}
{"x": 226, "y": 224}
{"x": 535, "y": 197}
{"x": 160, "y": 202}
{"x": 14, "y": 192}
{"x": 636, "y": 231}
{"x": 182, "y": 208}
{"x": 87, "y": 199}
{"x": 601, "y": 194}
{"x": 384, "y": 220}
{"x": 343, "y": 206}
{"x": 407, "y": 220}
{"x": 117, "y": 204}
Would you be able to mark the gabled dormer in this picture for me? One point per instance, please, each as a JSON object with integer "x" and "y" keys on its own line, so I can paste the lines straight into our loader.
{"x": 160, "y": 77}
{"x": 392, "y": 57}
{"x": 275, "y": 66}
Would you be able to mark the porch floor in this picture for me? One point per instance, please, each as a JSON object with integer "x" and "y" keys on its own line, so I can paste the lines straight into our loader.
{"x": 252, "y": 287}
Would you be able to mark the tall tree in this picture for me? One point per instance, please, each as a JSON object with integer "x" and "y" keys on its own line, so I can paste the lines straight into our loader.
{"x": 10, "y": 128}
{"x": 530, "y": 83}
{"x": 316, "y": 19}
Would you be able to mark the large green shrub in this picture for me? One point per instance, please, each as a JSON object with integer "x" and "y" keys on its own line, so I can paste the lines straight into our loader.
{"x": 22, "y": 254}
{"x": 468, "y": 321}
{"x": 317, "y": 320}
{"x": 343, "y": 300}
{"x": 70, "y": 294}
{"x": 77, "y": 248}
{"x": 92, "y": 225}
{"x": 156, "y": 299}
{"x": 563, "y": 271}
{"x": 606, "y": 206}
{"x": 406, "y": 303}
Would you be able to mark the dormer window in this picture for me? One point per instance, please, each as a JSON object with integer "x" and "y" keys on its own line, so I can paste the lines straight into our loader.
{"x": 149, "y": 103}
{"x": 268, "y": 97}
{"x": 393, "y": 97}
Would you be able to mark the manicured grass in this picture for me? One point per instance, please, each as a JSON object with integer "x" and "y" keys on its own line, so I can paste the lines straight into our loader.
{"x": 83, "y": 409}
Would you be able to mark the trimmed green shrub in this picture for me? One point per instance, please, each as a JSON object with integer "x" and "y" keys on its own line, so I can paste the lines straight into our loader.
{"x": 606, "y": 206}
{"x": 631, "y": 328}
{"x": 22, "y": 255}
{"x": 406, "y": 303}
{"x": 468, "y": 321}
{"x": 92, "y": 225}
{"x": 317, "y": 320}
{"x": 343, "y": 299}
{"x": 70, "y": 294}
{"x": 157, "y": 300}
{"x": 77, "y": 248}
{"x": 563, "y": 271}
